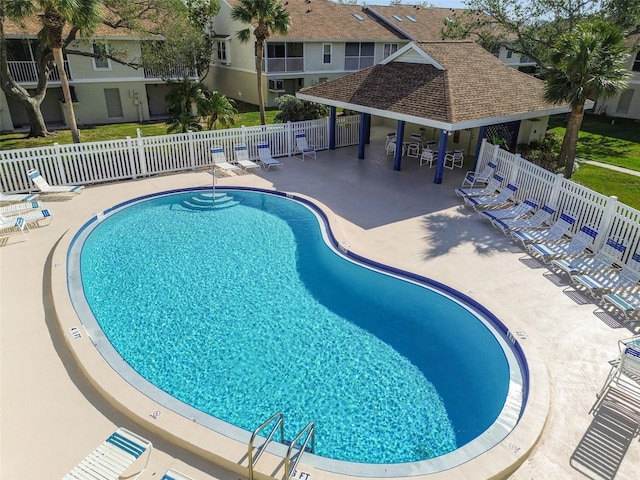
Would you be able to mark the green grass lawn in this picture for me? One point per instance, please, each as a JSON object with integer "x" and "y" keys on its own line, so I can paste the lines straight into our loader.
{"x": 609, "y": 182}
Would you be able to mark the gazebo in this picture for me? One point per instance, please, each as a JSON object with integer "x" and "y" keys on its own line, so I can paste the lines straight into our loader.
{"x": 449, "y": 86}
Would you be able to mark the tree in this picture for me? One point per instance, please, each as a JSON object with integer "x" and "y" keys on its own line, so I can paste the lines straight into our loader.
{"x": 293, "y": 109}
{"x": 588, "y": 62}
{"x": 217, "y": 108}
{"x": 267, "y": 16}
{"x": 184, "y": 100}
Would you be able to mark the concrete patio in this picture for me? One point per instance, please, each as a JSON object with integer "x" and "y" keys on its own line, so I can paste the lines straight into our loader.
{"x": 52, "y": 416}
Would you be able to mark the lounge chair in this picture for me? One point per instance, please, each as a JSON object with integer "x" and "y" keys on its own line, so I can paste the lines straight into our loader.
{"x": 220, "y": 160}
{"x": 516, "y": 211}
{"x": 552, "y": 234}
{"x": 44, "y": 186}
{"x": 265, "y": 157}
{"x": 604, "y": 259}
{"x": 242, "y": 157}
{"x": 12, "y": 226}
{"x": 303, "y": 147}
{"x": 19, "y": 207}
{"x": 34, "y": 216}
{"x": 537, "y": 220}
{"x": 487, "y": 201}
{"x": 172, "y": 474}
{"x": 115, "y": 455}
{"x": 17, "y": 197}
{"x": 624, "y": 373}
{"x": 576, "y": 246}
{"x": 626, "y": 302}
{"x": 599, "y": 283}
{"x": 472, "y": 178}
{"x": 492, "y": 188}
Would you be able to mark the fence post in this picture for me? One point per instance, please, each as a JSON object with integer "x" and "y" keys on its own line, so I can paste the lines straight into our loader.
{"x": 605, "y": 222}
{"x": 142, "y": 159}
{"x": 289, "y": 137}
{"x": 517, "y": 158}
{"x": 192, "y": 157}
{"x": 59, "y": 166}
{"x": 244, "y": 137}
{"x": 555, "y": 191}
{"x": 132, "y": 160}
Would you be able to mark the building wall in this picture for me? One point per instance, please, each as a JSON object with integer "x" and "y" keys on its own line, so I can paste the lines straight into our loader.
{"x": 84, "y": 67}
{"x": 6, "y": 123}
{"x": 91, "y": 107}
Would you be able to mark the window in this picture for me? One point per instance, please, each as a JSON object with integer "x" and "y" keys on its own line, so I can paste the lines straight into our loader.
{"x": 285, "y": 57}
{"x": 358, "y": 16}
{"x": 114, "y": 105}
{"x": 221, "y": 51}
{"x": 389, "y": 48}
{"x": 636, "y": 63}
{"x": 509, "y": 53}
{"x": 326, "y": 53}
{"x": 398, "y": 18}
{"x": 625, "y": 101}
{"x": 101, "y": 62}
{"x": 358, "y": 55}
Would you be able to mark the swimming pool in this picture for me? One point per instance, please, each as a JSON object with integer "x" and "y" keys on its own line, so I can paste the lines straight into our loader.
{"x": 319, "y": 319}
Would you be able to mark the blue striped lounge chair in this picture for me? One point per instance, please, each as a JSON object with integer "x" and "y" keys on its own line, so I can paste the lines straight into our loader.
{"x": 537, "y": 220}
{"x": 492, "y": 188}
{"x": 42, "y": 185}
{"x": 242, "y": 157}
{"x": 625, "y": 372}
{"x": 628, "y": 303}
{"x": 17, "y": 197}
{"x": 220, "y": 160}
{"x": 599, "y": 283}
{"x": 10, "y": 227}
{"x": 32, "y": 217}
{"x": 19, "y": 207}
{"x": 553, "y": 234}
{"x": 472, "y": 178}
{"x": 578, "y": 245}
{"x": 172, "y": 474}
{"x": 604, "y": 259}
{"x": 303, "y": 147}
{"x": 113, "y": 457}
{"x": 517, "y": 211}
{"x": 496, "y": 201}
{"x": 265, "y": 157}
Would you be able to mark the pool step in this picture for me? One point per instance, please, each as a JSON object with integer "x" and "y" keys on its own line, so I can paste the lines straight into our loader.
{"x": 209, "y": 200}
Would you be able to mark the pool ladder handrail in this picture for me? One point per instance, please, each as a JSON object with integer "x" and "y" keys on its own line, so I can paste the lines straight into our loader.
{"x": 279, "y": 423}
{"x": 311, "y": 434}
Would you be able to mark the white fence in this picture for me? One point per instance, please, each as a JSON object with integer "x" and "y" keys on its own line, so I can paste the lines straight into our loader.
{"x": 609, "y": 217}
{"x": 96, "y": 162}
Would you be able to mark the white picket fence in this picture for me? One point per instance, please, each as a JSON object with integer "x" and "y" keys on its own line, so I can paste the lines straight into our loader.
{"x": 97, "y": 162}
{"x": 609, "y": 217}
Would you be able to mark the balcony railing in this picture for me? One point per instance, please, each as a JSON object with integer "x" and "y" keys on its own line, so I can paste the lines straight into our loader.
{"x": 168, "y": 72}
{"x": 285, "y": 64}
{"x": 27, "y": 72}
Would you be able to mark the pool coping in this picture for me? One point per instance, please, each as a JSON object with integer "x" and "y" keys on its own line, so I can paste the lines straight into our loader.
{"x": 503, "y": 458}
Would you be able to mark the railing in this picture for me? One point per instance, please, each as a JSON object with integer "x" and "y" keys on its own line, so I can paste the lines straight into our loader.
{"x": 168, "y": 72}
{"x": 290, "y": 467}
{"x": 285, "y": 65}
{"x": 279, "y": 425}
{"x": 27, "y": 71}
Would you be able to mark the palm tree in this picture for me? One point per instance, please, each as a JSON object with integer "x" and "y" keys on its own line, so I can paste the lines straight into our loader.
{"x": 217, "y": 107}
{"x": 53, "y": 16}
{"x": 184, "y": 100}
{"x": 268, "y": 16}
{"x": 586, "y": 63}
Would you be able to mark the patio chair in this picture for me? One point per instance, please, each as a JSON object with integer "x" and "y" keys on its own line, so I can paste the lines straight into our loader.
{"x": 516, "y": 211}
{"x": 390, "y": 146}
{"x": 573, "y": 248}
{"x": 624, "y": 373}
{"x": 428, "y": 157}
{"x": 414, "y": 145}
{"x": 45, "y": 188}
{"x": 604, "y": 259}
{"x": 599, "y": 283}
{"x": 10, "y": 227}
{"x": 34, "y": 216}
{"x": 455, "y": 159}
{"x": 492, "y": 188}
{"x": 628, "y": 303}
{"x": 172, "y": 474}
{"x": 115, "y": 455}
{"x": 220, "y": 160}
{"x": 552, "y": 234}
{"x": 471, "y": 178}
{"x": 17, "y": 197}
{"x": 303, "y": 147}
{"x": 242, "y": 157}
{"x": 265, "y": 158}
{"x": 19, "y": 207}
{"x": 537, "y": 220}
{"x": 479, "y": 202}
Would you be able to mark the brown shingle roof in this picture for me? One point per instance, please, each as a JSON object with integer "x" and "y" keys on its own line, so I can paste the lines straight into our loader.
{"x": 474, "y": 85}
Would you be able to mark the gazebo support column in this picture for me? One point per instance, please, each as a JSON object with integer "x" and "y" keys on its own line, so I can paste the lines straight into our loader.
{"x": 397, "y": 158}
{"x": 442, "y": 151}
{"x": 332, "y": 128}
{"x": 481, "y": 135}
{"x": 367, "y": 128}
{"x": 361, "y": 139}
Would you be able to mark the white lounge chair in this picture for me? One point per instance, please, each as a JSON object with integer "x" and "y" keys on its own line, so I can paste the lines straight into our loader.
{"x": 19, "y": 207}
{"x": 33, "y": 216}
{"x": 502, "y": 198}
{"x": 220, "y": 160}
{"x": 516, "y": 211}
{"x": 472, "y": 178}
{"x": 553, "y": 234}
{"x": 115, "y": 455}
{"x": 17, "y": 197}
{"x": 172, "y": 474}
{"x": 624, "y": 373}
{"x": 604, "y": 259}
{"x": 491, "y": 189}
{"x": 599, "y": 283}
{"x": 10, "y": 227}
{"x": 575, "y": 247}
{"x": 626, "y": 302}
{"x": 242, "y": 157}
{"x": 537, "y": 220}
{"x": 303, "y": 147}
{"x": 265, "y": 157}
{"x": 44, "y": 186}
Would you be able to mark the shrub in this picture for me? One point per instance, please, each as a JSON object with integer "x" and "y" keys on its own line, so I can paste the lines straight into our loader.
{"x": 292, "y": 109}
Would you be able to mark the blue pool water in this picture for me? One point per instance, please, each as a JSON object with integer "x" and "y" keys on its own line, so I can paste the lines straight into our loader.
{"x": 245, "y": 311}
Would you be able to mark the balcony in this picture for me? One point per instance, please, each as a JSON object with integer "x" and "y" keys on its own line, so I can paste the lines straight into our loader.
{"x": 295, "y": 64}
{"x": 173, "y": 73}
{"x": 27, "y": 72}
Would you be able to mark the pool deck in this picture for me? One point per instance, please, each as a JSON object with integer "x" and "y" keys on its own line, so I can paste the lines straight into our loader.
{"x": 52, "y": 416}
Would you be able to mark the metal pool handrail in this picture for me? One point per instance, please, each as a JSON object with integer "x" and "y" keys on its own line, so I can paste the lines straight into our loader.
{"x": 311, "y": 434}
{"x": 279, "y": 423}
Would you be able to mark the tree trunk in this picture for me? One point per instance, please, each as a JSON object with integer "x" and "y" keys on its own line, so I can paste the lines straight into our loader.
{"x": 259, "y": 55}
{"x": 66, "y": 92}
{"x": 570, "y": 140}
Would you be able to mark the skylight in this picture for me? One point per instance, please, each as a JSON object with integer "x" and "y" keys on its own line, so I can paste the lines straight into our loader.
{"x": 411, "y": 18}
{"x": 358, "y": 16}
{"x": 398, "y": 17}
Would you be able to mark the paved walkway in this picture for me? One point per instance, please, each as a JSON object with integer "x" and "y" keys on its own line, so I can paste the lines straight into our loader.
{"x": 52, "y": 416}
{"x": 610, "y": 167}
